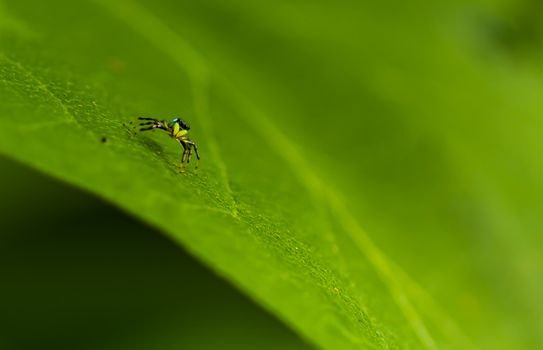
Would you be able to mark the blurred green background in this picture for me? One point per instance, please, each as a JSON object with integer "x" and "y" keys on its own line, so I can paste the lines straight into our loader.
{"x": 426, "y": 116}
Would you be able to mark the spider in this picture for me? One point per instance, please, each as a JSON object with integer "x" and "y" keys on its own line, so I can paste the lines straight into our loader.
{"x": 177, "y": 129}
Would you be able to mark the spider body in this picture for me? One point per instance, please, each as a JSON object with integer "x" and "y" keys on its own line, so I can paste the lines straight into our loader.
{"x": 178, "y": 130}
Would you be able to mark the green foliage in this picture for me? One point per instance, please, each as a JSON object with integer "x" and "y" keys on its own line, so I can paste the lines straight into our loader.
{"x": 312, "y": 119}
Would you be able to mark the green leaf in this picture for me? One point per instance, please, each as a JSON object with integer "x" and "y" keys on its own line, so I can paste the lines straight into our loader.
{"x": 313, "y": 120}
{"x": 66, "y": 276}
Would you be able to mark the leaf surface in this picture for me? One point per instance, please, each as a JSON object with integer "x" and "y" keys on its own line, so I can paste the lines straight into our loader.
{"x": 306, "y": 131}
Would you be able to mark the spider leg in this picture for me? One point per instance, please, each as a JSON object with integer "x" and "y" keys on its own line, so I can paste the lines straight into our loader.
{"x": 154, "y": 122}
{"x": 197, "y": 156}
{"x": 154, "y": 126}
{"x": 196, "y": 151}
{"x": 181, "y": 167}
{"x": 192, "y": 145}
{"x": 190, "y": 154}
{"x": 185, "y": 151}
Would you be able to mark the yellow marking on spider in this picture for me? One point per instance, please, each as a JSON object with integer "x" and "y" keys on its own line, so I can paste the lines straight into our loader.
{"x": 181, "y": 133}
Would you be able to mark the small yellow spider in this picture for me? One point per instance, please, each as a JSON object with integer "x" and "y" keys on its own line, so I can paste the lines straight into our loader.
{"x": 177, "y": 129}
